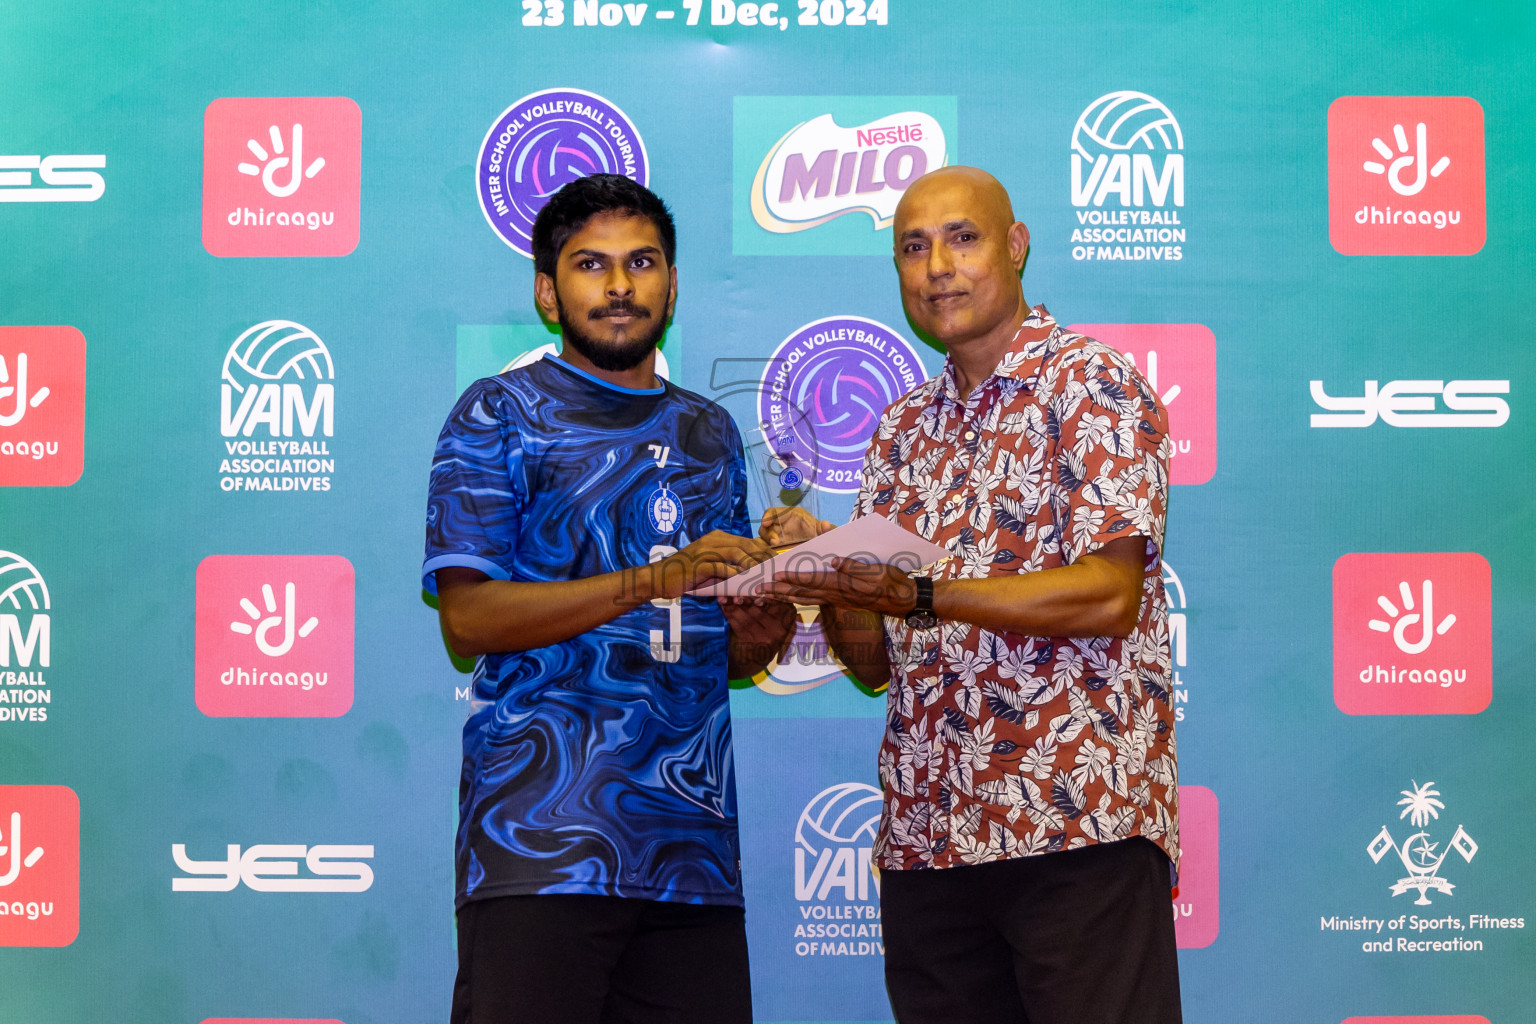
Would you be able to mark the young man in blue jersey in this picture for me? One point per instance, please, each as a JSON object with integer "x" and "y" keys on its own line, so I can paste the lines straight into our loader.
{"x": 573, "y": 504}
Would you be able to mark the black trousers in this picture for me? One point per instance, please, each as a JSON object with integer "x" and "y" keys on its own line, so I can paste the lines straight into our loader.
{"x": 1079, "y": 937}
{"x": 575, "y": 959}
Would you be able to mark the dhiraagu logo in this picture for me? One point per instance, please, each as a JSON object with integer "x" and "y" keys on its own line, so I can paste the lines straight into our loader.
{"x": 484, "y": 350}
{"x": 821, "y": 175}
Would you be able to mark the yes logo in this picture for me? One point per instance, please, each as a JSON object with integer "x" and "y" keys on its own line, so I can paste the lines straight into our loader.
{"x": 282, "y": 177}
{"x": 1412, "y": 634}
{"x": 1413, "y": 403}
{"x": 273, "y": 867}
{"x": 1405, "y": 175}
{"x": 65, "y": 178}
{"x": 39, "y": 865}
{"x": 1179, "y": 361}
{"x": 274, "y": 636}
{"x": 42, "y": 406}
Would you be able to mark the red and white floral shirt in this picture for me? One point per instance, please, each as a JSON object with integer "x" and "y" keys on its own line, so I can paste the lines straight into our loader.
{"x": 1000, "y": 745}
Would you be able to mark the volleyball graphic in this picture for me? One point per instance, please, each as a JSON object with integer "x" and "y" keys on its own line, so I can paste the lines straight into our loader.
{"x": 844, "y": 814}
{"x": 277, "y": 350}
{"x": 21, "y": 585}
{"x": 1126, "y": 120}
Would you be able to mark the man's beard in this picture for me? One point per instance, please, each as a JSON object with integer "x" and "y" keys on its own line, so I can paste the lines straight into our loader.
{"x": 605, "y": 355}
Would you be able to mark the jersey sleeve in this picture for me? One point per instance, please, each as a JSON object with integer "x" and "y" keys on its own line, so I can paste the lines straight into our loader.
{"x": 739, "y": 521}
{"x": 475, "y": 497}
{"x": 1111, "y": 470}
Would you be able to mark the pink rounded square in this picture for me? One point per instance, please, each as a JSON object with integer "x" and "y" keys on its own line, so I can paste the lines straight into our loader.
{"x": 1412, "y": 633}
{"x": 1197, "y": 900}
{"x": 1179, "y": 361}
{"x": 40, "y": 833}
{"x": 274, "y": 636}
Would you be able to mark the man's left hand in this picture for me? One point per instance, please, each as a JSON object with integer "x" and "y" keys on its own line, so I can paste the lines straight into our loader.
{"x": 848, "y": 583}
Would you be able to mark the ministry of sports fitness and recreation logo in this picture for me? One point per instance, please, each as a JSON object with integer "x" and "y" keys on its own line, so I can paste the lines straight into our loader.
{"x": 823, "y": 391}
{"x": 542, "y": 142}
{"x": 39, "y": 865}
{"x": 1405, "y": 176}
{"x": 836, "y": 882}
{"x": 26, "y": 641}
{"x": 1422, "y": 858}
{"x": 274, "y": 636}
{"x": 277, "y": 410}
{"x": 282, "y": 176}
{"x": 64, "y": 178}
{"x": 802, "y": 163}
{"x": 1179, "y": 362}
{"x": 1128, "y": 180}
{"x": 42, "y": 406}
{"x": 1412, "y": 633}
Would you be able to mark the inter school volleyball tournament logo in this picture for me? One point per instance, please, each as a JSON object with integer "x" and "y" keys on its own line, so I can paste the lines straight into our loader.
{"x": 39, "y": 865}
{"x": 1405, "y": 176}
{"x": 282, "y": 176}
{"x": 1421, "y": 856}
{"x": 836, "y": 882}
{"x": 42, "y": 406}
{"x": 1179, "y": 361}
{"x": 821, "y": 170}
{"x": 274, "y": 636}
{"x": 1128, "y": 180}
{"x": 26, "y": 641}
{"x": 277, "y": 410}
{"x": 544, "y": 141}
{"x": 1412, "y": 633}
{"x": 823, "y": 391}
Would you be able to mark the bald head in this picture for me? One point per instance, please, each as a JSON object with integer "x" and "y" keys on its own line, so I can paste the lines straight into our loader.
{"x": 967, "y": 188}
{"x": 958, "y": 254}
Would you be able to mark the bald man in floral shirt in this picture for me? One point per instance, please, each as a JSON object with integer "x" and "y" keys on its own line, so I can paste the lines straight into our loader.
{"x": 1029, "y": 764}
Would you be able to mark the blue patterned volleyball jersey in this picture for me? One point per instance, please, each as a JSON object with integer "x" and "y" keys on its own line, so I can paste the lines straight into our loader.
{"x": 601, "y": 764}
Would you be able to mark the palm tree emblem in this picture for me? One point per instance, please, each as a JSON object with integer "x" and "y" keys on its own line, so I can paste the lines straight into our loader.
{"x": 1421, "y": 805}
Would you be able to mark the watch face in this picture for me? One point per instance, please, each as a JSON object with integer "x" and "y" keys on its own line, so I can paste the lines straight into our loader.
{"x": 922, "y": 620}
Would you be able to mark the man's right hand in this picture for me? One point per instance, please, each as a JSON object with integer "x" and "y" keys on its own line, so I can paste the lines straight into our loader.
{"x": 790, "y": 525}
{"x": 715, "y": 556}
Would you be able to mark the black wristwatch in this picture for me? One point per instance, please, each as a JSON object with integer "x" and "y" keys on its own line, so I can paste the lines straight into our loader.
{"x": 921, "y": 616}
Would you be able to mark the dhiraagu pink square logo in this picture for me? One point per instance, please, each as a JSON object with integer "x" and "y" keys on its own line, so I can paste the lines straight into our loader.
{"x": 1412, "y": 633}
{"x": 39, "y": 865}
{"x": 282, "y": 176}
{"x": 274, "y": 636}
{"x": 1179, "y": 361}
{"x": 1197, "y": 900}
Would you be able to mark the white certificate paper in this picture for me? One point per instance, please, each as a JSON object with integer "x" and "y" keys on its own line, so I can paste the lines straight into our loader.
{"x": 868, "y": 539}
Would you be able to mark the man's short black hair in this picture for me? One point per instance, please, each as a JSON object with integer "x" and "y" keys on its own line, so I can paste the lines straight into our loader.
{"x": 579, "y": 201}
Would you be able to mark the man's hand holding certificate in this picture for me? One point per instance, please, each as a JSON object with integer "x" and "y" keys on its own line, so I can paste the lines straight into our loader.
{"x": 818, "y": 563}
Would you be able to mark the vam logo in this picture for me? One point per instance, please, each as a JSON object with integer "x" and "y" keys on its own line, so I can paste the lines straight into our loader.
{"x": 1178, "y": 636}
{"x": 1405, "y": 175}
{"x": 1179, "y": 361}
{"x": 274, "y": 636}
{"x": 803, "y": 163}
{"x": 1421, "y": 859}
{"x": 836, "y": 883}
{"x": 65, "y": 179}
{"x": 282, "y": 177}
{"x": 278, "y": 383}
{"x": 1128, "y": 153}
{"x": 1412, "y": 403}
{"x": 26, "y": 641}
{"x": 1412, "y": 634}
{"x": 276, "y": 867}
{"x": 42, "y": 406}
{"x": 39, "y": 865}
